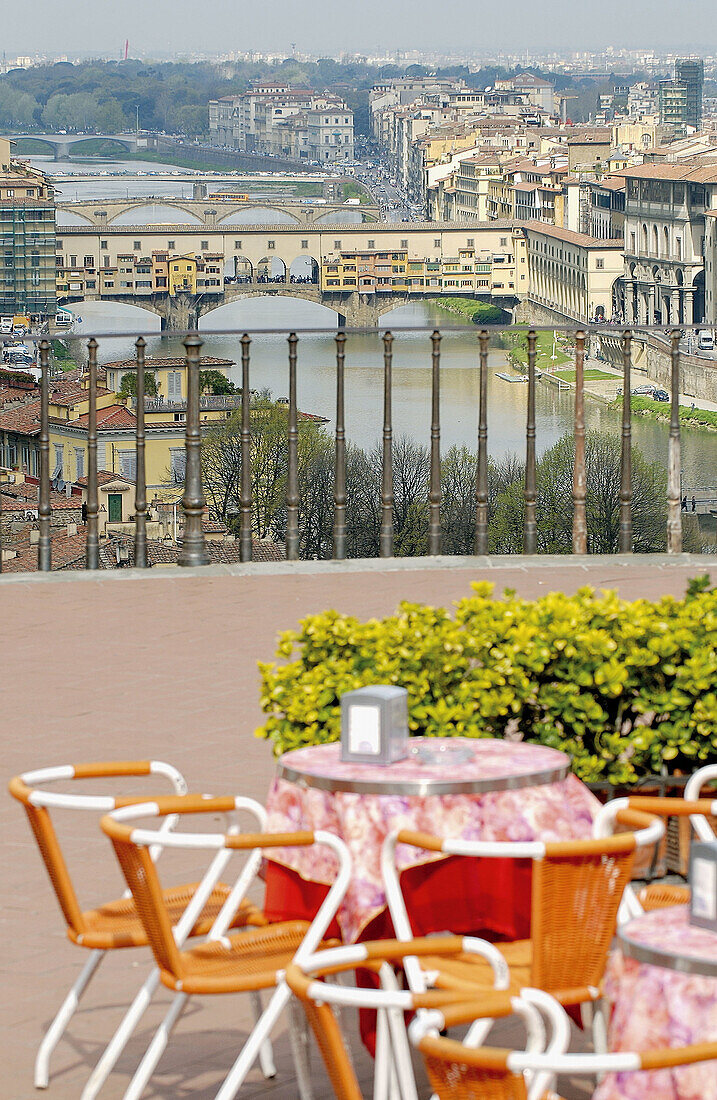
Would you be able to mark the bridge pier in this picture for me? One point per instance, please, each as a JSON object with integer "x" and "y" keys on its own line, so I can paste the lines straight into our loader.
{"x": 180, "y": 313}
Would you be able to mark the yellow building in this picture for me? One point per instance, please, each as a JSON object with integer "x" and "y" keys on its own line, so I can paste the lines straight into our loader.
{"x": 169, "y": 372}
{"x": 182, "y": 275}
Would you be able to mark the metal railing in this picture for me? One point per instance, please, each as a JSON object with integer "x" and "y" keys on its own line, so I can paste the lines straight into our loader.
{"x": 192, "y": 551}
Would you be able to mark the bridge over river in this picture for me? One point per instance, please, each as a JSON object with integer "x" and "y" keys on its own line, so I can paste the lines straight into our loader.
{"x": 209, "y": 212}
{"x": 484, "y": 261}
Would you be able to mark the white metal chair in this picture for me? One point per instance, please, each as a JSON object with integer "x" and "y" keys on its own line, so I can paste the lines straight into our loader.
{"x": 114, "y": 925}
{"x": 251, "y": 961}
{"x": 459, "y": 1071}
{"x": 577, "y": 888}
{"x": 309, "y": 980}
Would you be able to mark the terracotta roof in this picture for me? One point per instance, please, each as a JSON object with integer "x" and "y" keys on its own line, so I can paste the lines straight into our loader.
{"x": 111, "y": 418}
{"x": 104, "y": 477}
{"x": 570, "y": 237}
{"x": 225, "y": 551}
{"x": 169, "y": 361}
{"x": 68, "y": 552}
{"x": 704, "y": 173}
{"x": 24, "y": 420}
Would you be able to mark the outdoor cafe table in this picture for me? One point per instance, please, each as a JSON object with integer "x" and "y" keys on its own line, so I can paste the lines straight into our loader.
{"x": 661, "y": 983}
{"x": 506, "y": 790}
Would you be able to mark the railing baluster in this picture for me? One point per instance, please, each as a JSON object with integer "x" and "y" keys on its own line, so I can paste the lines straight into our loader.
{"x": 434, "y": 492}
{"x": 245, "y": 497}
{"x": 386, "y": 532}
{"x": 44, "y": 511}
{"x": 674, "y": 463}
{"x": 626, "y": 448}
{"x": 580, "y": 539}
{"x": 339, "y": 549}
{"x": 140, "y": 494}
{"x": 193, "y": 550}
{"x": 482, "y": 467}
{"x": 530, "y": 531}
{"x": 92, "y": 541}
{"x": 292, "y": 474}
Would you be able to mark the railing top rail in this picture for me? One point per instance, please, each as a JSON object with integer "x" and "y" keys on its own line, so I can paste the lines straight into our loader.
{"x": 602, "y": 329}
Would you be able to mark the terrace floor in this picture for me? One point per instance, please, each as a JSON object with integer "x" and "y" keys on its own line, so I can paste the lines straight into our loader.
{"x": 162, "y": 664}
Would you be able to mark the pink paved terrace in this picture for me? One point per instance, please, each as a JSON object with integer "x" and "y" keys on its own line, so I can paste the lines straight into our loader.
{"x": 163, "y": 665}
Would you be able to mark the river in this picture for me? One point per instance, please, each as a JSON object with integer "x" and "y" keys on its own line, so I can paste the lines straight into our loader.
{"x": 364, "y": 374}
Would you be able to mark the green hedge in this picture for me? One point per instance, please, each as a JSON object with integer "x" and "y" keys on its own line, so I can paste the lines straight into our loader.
{"x": 624, "y": 687}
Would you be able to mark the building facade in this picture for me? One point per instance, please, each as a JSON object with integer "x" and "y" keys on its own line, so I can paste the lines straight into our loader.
{"x": 27, "y": 233}
{"x": 665, "y": 212}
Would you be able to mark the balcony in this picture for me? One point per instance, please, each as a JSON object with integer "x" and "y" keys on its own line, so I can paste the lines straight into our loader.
{"x": 152, "y": 662}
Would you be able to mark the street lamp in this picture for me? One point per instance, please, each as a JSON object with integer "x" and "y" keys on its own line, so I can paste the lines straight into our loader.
{"x": 137, "y": 125}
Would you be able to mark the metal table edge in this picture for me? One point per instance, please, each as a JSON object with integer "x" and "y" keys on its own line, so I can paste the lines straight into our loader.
{"x": 425, "y": 788}
{"x": 654, "y": 956}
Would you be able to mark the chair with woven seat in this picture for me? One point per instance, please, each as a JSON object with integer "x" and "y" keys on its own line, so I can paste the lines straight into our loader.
{"x": 116, "y": 924}
{"x": 577, "y": 889}
{"x": 458, "y": 1071}
{"x": 251, "y": 961}
{"x": 310, "y": 981}
{"x": 659, "y": 895}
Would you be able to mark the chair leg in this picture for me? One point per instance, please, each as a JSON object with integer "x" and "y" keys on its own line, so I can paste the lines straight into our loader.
{"x": 156, "y": 1048}
{"x": 62, "y": 1019}
{"x": 600, "y": 1027}
{"x": 299, "y": 1039}
{"x": 262, "y": 1030}
{"x": 121, "y": 1037}
{"x": 403, "y": 1082}
{"x": 266, "y": 1052}
{"x": 382, "y": 1072}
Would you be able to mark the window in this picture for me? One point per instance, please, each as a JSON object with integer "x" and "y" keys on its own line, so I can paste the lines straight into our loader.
{"x": 80, "y": 462}
{"x": 371, "y": 244}
{"x": 271, "y": 244}
{"x": 103, "y": 245}
{"x": 57, "y": 472}
{"x": 437, "y": 243}
{"x": 470, "y": 242}
{"x": 205, "y": 246}
{"x": 404, "y": 244}
{"x": 304, "y": 244}
{"x": 337, "y": 244}
{"x": 106, "y": 261}
{"x": 503, "y": 242}
{"x": 89, "y": 261}
{"x": 137, "y": 246}
{"x": 174, "y": 385}
{"x": 599, "y": 264}
{"x": 237, "y": 244}
{"x": 170, "y": 244}
{"x": 178, "y": 463}
{"x": 73, "y": 261}
{"x": 128, "y": 464}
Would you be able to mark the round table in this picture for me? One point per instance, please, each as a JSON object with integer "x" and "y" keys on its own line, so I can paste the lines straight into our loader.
{"x": 661, "y": 983}
{"x": 506, "y": 790}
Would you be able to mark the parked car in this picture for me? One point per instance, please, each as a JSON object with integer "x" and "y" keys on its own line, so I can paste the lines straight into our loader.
{"x": 660, "y": 395}
{"x": 643, "y": 391}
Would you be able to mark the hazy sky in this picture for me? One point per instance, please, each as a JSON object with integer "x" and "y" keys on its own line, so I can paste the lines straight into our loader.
{"x": 101, "y": 26}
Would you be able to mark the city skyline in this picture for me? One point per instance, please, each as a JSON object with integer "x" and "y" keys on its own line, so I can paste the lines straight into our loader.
{"x": 373, "y": 28}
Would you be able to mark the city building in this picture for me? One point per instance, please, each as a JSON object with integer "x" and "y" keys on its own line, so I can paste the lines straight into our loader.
{"x": 574, "y": 275}
{"x": 666, "y": 205}
{"x": 680, "y": 99}
{"x": 27, "y": 230}
{"x": 279, "y": 119}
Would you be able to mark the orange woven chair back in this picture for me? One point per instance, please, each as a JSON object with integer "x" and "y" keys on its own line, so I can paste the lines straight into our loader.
{"x": 576, "y": 895}
{"x": 454, "y": 1080}
{"x": 143, "y": 880}
{"x": 51, "y": 852}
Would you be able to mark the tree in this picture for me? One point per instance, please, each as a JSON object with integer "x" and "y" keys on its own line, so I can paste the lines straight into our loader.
{"x": 554, "y": 476}
{"x": 128, "y": 386}
{"x": 17, "y": 109}
{"x": 214, "y": 382}
{"x": 110, "y": 118}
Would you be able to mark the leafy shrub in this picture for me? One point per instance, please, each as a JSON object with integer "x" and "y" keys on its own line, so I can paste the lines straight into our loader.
{"x": 624, "y": 687}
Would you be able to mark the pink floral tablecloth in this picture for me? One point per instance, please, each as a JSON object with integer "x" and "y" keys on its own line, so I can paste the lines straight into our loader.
{"x": 551, "y": 811}
{"x": 653, "y": 1006}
